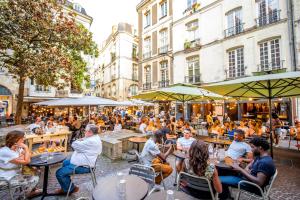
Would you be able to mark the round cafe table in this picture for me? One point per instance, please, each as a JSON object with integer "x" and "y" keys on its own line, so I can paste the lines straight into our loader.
{"x": 163, "y": 195}
{"x": 36, "y": 161}
{"x": 138, "y": 141}
{"x": 106, "y": 189}
{"x": 218, "y": 141}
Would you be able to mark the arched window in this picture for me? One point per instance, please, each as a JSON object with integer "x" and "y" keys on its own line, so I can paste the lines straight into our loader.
{"x": 4, "y": 91}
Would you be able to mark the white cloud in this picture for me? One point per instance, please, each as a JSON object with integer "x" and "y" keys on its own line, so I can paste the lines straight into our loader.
{"x": 107, "y": 13}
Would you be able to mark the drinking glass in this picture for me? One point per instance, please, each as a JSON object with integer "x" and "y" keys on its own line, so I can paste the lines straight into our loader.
{"x": 122, "y": 189}
{"x": 44, "y": 157}
{"x": 170, "y": 195}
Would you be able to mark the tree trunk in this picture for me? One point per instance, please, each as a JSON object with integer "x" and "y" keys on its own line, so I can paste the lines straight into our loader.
{"x": 20, "y": 100}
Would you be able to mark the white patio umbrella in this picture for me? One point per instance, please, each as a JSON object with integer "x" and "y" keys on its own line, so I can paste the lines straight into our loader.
{"x": 81, "y": 101}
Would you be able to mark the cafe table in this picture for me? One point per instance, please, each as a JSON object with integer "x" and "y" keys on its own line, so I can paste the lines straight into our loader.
{"x": 138, "y": 141}
{"x": 163, "y": 195}
{"x": 107, "y": 188}
{"x": 37, "y": 161}
{"x": 217, "y": 141}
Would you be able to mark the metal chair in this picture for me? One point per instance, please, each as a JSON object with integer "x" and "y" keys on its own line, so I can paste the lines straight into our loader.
{"x": 265, "y": 193}
{"x": 92, "y": 173}
{"x": 5, "y": 186}
{"x": 202, "y": 184}
{"x": 158, "y": 173}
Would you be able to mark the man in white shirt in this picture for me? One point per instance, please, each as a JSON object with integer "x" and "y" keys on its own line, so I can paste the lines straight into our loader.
{"x": 183, "y": 144}
{"x": 239, "y": 150}
{"x": 36, "y": 124}
{"x": 86, "y": 151}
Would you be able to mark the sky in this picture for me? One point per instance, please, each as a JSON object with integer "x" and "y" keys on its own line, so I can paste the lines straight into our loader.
{"x": 107, "y": 13}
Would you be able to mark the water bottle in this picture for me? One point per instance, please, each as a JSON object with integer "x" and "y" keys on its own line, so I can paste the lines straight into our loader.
{"x": 170, "y": 195}
{"x": 122, "y": 190}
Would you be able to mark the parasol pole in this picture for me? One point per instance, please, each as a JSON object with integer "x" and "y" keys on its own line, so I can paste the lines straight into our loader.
{"x": 89, "y": 112}
{"x": 270, "y": 117}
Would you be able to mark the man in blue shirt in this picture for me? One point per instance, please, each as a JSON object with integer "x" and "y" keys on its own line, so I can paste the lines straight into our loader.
{"x": 259, "y": 171}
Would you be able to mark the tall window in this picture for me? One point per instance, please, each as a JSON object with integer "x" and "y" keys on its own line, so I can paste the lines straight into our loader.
{"x": 163, "y": 41}
{"x": 234, "y": 22}
{"x": 113, "y": 90}
{"x": 236, "y": 66}
{"x": 147, "y": 48}
{"x": 270, "y": 55}
{"x": 192, "y": 30}
{"x": 193, "y": 70}
{"x": 164, "y": 74}
{"x": 268, "y": 12}
{"x": 190, "y": 3}
{"x": 134, "y": 72}
{"x": 134, "y": 51}
{"x": 147, "y": 19}
{"x": 148, "y": 74}
{"x": 133, "y": 90}
{"x": 42, "y": 88}
{"x": 163, "y": 8}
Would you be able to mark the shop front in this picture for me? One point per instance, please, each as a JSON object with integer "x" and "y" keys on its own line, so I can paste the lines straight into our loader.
{"x": 6, "y": 101}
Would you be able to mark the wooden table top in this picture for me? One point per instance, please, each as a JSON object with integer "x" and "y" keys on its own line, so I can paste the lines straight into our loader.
{"x": 136, "y": 188}
{"x": 171, "y": 137}
{"x": 138, "y": 139}
{"x": 180, "y": 154}
{"x": 217, "y": 141}
{"x": 29, "y": 136}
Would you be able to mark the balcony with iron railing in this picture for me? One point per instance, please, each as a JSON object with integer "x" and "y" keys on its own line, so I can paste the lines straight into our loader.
{"x": 147, "y": 55}
{"x": 192, "y": 79}
{"x": 272, "y": 66}
{"x": 164, "y": 83}
{"x": 235, "y": 30}
{"x": 272, "y": 17}
{"x": 146, "y": 86}
{"x": 233, "y": 73}
{"x": 192, "y": 45}
{"x": 164, "y": 49}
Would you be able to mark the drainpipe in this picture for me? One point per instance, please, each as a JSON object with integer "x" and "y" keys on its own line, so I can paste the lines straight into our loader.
{"x": 291, "y": 31}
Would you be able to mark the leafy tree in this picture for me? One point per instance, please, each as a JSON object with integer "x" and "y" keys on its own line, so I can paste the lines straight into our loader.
{"x": 41, "y": 40}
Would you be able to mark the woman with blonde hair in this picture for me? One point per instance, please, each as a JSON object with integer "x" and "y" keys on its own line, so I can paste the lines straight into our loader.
{"x": 151, "y": 128}
{"x": 215, "y": 128}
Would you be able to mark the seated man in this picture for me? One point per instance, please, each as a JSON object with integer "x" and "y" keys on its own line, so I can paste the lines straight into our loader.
{"x": 259, "y": 171}
{"x": 86, "y": 151}
{"x": 36, "y": 124}
{"x": 151, "y": 156}
{"x": 183, "y": 144}
{"x": 238, "y": 148}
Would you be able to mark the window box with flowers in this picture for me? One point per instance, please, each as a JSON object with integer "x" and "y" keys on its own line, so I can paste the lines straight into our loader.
{"x": 192, "y": 9}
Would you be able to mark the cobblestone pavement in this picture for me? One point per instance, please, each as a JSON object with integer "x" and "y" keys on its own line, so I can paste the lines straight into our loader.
{"x": 286, "y": 185}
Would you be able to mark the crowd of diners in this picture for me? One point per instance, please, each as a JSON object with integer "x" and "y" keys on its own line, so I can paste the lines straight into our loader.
{"x": 249, "y": 160}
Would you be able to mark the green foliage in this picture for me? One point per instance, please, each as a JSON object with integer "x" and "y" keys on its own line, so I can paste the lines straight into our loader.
{"x": 39, "y": 40}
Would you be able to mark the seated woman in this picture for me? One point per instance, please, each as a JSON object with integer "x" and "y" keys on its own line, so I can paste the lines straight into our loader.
{"x": 180, "y": 123}
{"x": 231, "y": 130}
{"x": 188, "y": 126}
{"x": 215, "y": 128}
{"x": 13, "y": 156}
{"x": 260, "y": 129}
{"x": 118, "y": 125}
{"x": 244, "y": 127}
{"x": 198, "y": 164}
{"x": 151, "y": 128}
{"x": 252, "y": 129}
{"x": 143, "y": 125}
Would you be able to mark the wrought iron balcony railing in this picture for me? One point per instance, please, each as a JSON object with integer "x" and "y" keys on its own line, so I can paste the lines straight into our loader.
{"x": 234, "y": 30}
{"x": 163, "y": 84}
{"x": 163, "y": 49}
{"x": 192, "y": 79}
{"x": 272, "y": 17}
{"x": 146, "y": 86}
{"x": 276, "y": 65}
{"x": 147, "y": 55}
